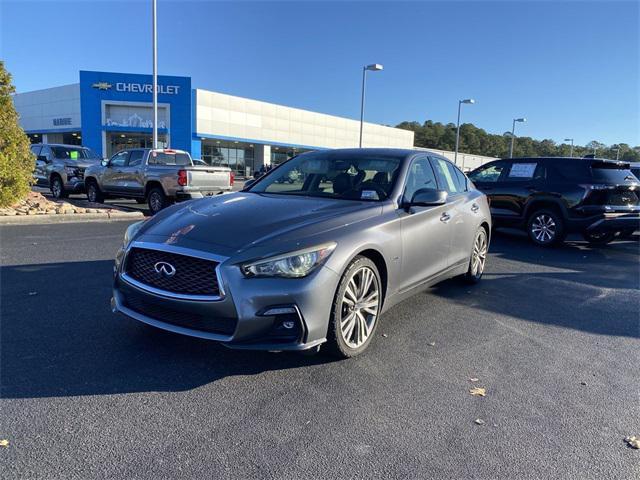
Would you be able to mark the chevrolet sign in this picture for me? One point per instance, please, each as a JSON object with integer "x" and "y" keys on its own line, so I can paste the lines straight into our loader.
{"x": 146, "y": 88}
{"x": 102, "y": 85}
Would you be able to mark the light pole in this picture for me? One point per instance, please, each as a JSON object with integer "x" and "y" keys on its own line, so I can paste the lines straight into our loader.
{"x": 155, "y": 79}
{"x": 460, "y": 102}
{"x": 618, "y": 153}
{"x": 513, "y": 133}
{"x": 374, "y": 67}
{"x": 570, "y": 140}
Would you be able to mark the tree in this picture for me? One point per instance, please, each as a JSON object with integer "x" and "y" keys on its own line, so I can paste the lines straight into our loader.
{"x": 16, "y": 161}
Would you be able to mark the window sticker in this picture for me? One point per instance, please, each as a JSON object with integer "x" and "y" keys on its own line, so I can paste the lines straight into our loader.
{"x": 522, "y": 170}
{"x": 73, "y": 154}
{"x": 369, "y": 195}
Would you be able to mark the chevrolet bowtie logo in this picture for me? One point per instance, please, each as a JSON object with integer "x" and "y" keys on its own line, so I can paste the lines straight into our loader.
{"x": 102, "y": 85}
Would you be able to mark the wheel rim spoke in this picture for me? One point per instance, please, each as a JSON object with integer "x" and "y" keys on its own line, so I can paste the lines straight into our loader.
{"x": 359, "y": 307}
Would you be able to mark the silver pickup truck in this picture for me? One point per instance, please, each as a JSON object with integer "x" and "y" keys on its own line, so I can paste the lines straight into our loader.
{"x": 159, "y": 177}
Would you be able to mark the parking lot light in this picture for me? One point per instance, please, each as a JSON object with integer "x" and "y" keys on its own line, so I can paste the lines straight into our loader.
{"x": 570, "y": 140}
{"x": 513, "y": 133}
{"x": 469, "y": 101}
{"x": 374, "y": 67}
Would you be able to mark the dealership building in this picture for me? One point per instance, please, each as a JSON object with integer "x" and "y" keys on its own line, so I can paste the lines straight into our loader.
{"x": 111, "y": 111}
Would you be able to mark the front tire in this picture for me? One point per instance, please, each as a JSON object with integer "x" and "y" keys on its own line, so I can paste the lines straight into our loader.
{"x": 94, "y": 194}
{"x": 57, "y": 188}
{"x": 546, "y": 228}
{"x": 478, "y": 257}
{"x": 157, "y": 200}
{"x": 356, "y": 309}
{"x": 599, "y": 238}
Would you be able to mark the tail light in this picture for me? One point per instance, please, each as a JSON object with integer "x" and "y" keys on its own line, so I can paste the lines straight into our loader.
{"x": 182, "y": 178}
{"x": 232, "y": 177}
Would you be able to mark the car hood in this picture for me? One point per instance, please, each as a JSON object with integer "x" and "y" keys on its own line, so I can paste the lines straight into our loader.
{"x": 241, "y": 220}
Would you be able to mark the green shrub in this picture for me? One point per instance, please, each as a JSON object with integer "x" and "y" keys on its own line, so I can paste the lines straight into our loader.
{"x": 16, "y": 160}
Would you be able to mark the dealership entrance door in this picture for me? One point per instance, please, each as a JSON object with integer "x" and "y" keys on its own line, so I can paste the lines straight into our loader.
{"x": 117, "y": 141}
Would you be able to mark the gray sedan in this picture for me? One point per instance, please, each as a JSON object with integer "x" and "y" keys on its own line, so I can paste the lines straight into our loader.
{"x": 293, "y": 265}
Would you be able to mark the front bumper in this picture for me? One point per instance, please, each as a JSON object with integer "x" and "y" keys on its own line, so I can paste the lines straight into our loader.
{"x": 243, "y": 316}
{"x": 74, "y": 185}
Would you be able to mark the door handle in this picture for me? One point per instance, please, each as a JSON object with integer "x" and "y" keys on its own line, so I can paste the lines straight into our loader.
{"x": 445, "y": 217}
{"x": 475, "y": 208}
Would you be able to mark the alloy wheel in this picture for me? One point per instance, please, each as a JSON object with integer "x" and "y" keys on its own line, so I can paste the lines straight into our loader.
{"x": 359, "y": 307}
{"x": 543, "y": 228}
{"x": 155, "y": 202}
{"x": 56, "y": 188}
{"x": 92, "y": 194}
{"x": 479, "y": 255}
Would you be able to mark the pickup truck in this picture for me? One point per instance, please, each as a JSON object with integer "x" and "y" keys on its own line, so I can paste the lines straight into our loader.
{"x": 158, "y": 177}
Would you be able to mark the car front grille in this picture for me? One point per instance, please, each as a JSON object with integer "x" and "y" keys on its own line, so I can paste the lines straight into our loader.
{"x": 191, "y": 275}
{"x": 180, "y": 318}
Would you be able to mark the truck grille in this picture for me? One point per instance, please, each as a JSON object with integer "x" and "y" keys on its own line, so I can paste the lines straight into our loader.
{"x": 191, "y": 320}
{"x": 192, "y": 275}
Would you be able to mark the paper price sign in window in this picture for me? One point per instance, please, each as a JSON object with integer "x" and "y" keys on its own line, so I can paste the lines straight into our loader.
{"x": 73, "y": 154}
{"x": 522, "y": 170}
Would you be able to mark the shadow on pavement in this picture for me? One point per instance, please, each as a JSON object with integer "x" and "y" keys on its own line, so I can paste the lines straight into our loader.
{"x": 574, "y": 286}
{"x": 59, "y": 338}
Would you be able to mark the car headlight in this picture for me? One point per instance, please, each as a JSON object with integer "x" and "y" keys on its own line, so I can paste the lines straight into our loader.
{"x": 290, "y": 265}
{"x": 131, "y": 231}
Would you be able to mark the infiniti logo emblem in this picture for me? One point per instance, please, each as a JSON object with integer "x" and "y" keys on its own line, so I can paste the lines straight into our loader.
{"x": 165, "y": 269}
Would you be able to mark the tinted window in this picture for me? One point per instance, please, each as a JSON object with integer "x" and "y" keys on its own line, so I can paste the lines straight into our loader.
{"x": 446, "y": 175}
{"x": 35, "y": 149}
{"x": 71, "y": 153}
{"x": 135, "y": 158}
{"x": 488, "y": 173}
{"x": 611, "y": 173}
{"x": 420, "y": 176}
{"x": 46, "y": 153}
{"x": 462, "y": 179}
{"x": 119, "y": 159}
{"x": 166, "y": 158}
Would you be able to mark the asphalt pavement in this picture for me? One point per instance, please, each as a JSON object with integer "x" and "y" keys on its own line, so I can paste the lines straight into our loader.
{"x": 552, "y": 335}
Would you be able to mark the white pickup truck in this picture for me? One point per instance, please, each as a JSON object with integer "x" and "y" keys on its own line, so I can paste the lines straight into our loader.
{"x": 158, "y": 177}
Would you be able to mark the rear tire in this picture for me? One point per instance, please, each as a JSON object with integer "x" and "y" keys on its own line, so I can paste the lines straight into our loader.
{"x": 57, "y": 188}
{"x": 157, "y": 200}
{"x": 546, "y": 228}
{"x": 94, "y": 194}
{"x": 478, "y": 257}
{"x": 598, "y": 239}
{"x": 356, "y": 309}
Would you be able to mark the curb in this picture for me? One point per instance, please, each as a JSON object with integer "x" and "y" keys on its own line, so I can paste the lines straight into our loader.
{"x": 70, "y": 218}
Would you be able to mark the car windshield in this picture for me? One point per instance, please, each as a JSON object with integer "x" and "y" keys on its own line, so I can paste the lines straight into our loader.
{"x": 73, "y": 153}
{"x": 347, "y": 177}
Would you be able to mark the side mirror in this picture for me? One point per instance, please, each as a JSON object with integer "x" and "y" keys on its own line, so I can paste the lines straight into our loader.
{"x": 104, "y": 162}
{"x": 42, "y": 158}
{"x": 426, "y": 197}
{"x": 248, "y": 184}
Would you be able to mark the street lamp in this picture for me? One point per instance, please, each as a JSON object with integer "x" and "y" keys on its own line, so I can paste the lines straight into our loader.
{"x": 155, "y": 79}
{"x": 618, "y": 153}
{"x": 460, "y": 102}
{"x": 513, "y": 133}
{"x": 570, "y": 140}
{"x": 375, "y": 67}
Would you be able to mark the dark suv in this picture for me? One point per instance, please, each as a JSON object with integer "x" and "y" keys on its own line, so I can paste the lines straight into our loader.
{"x": 551, "y": 197}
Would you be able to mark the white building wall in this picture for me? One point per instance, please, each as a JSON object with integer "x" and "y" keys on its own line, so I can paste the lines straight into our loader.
{"x": 221, "y": 115}
{"x": 39, "y": 108}
{"x": 466, "y": 161}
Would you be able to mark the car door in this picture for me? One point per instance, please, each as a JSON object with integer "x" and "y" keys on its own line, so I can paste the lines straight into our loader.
{"x": 463, "y": 211}
{"x": 112, "y": 176}
{"x": 39, "y": 171}
{"x": 45, "y": 163}
{"x": 521, "y": 180}
{"x": 425, "y": 230}
{"x": 487, "y": 179}
{"x": 131, "y": 174}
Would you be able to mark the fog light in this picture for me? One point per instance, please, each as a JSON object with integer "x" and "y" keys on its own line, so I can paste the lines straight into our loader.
{"x": 279, "y": 311}
{"x": 288, "y": 324}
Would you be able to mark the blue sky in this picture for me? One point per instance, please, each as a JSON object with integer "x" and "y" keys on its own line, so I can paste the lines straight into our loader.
{"x": 570, "y": 67}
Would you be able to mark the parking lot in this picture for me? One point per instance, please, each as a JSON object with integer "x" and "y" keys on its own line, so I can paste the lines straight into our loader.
{"x": 551, "y": 334}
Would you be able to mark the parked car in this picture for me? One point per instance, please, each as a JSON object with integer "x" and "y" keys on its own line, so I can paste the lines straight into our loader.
{"x": 551, "y": 197}
{"x": 291, "y": 266}
{"x": 635, "y": 169}
{"x": 62, "y": 167}
{"x": 158, "y": 177}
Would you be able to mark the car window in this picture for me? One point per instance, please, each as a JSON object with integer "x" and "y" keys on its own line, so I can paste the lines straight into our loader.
{"x": 488, "y": 173}
{"x": 446, "y": 175}
{"x": 119, "y": 159}
{"x": 35, "y": 149}
{"x": 135, "y": 158}
{"x": 420, "y": 175}
{"x": 168, "y": 158}
{"x": 46, "y": 153}
{"x": 72, "y": 153}
{"x": 524, "y": 171}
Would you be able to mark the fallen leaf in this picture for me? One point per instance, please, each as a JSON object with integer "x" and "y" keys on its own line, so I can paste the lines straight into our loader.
{"x": 633, "y": 442}
{"x": 473, "y": 379}
{"x": 4, "y": 443}
{"x": 384, "y": 335}
{"x": 479, "y": 421}
{"x": 478, "y": 391}
{"x": 583, "y": 383}
{"x": 432, "y": 344}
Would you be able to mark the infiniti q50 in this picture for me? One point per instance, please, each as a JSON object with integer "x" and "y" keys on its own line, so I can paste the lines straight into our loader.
{"x": 307, "y": 262}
